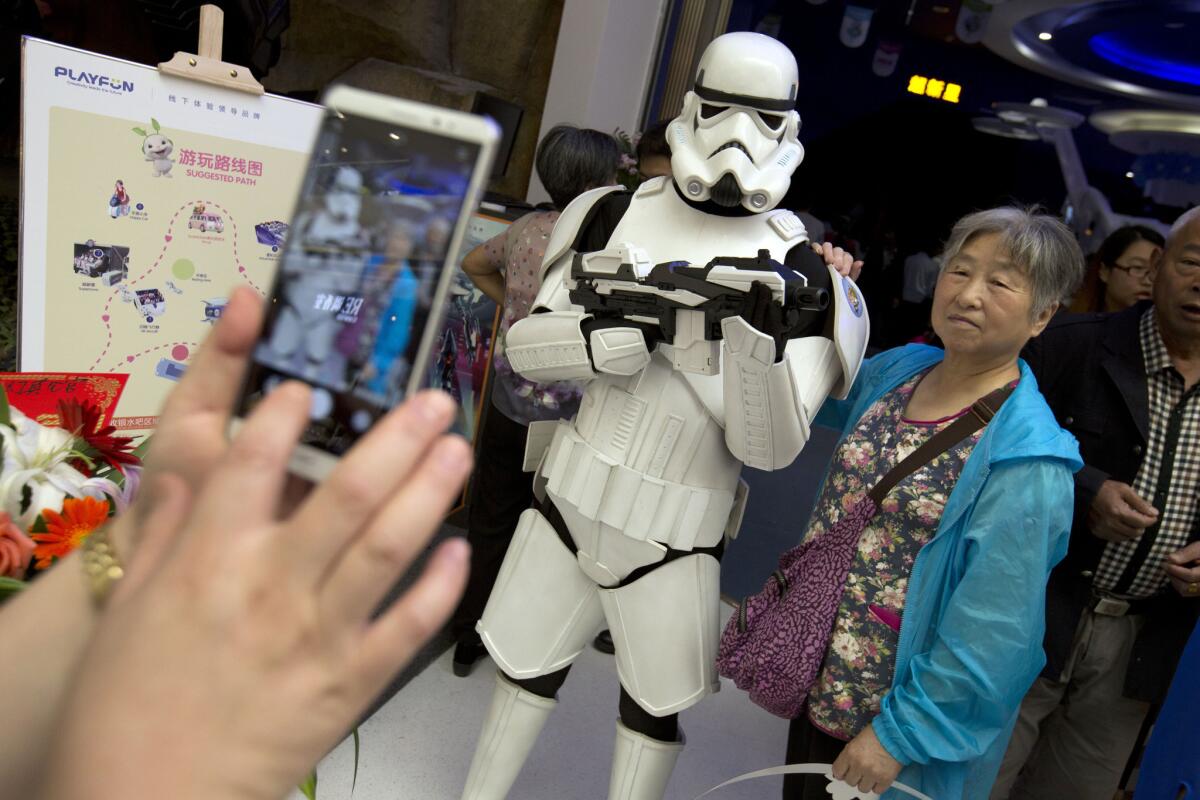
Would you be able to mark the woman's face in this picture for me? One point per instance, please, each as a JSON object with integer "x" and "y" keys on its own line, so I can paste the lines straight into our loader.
{"x": 1128, "y": 280}
{"x": 399, "y": 244}
{"x": 982, "y": 303}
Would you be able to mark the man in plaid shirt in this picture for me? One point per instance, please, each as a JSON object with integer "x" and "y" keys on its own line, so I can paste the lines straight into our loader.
{"x": 1121, "y": 605}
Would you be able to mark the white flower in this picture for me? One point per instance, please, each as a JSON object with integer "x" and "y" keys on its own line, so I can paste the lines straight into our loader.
{"x": 892, "y": 597}
{"x": 122, "y": 496}
{"x": 35, "y": 459}
{"x": 930, "y": 508}
{"x": 872, "y": 539}
{"x": 846, "y": 646}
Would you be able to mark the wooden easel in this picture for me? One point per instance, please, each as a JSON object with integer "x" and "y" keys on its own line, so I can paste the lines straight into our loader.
{"x": 207, "y": 66}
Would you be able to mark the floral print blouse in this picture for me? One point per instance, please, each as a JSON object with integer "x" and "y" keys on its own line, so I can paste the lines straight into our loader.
{"x": 858, "y": 666}
{"x": 518, "y": 252}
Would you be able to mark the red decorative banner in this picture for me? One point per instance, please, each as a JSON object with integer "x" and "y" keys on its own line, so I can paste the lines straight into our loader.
{"x": 36, "y": 394}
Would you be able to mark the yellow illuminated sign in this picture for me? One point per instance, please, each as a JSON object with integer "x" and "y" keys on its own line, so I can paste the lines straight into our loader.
{"x": 935, "y": 88}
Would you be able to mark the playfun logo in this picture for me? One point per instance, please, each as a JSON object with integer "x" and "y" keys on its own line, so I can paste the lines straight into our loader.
{"x": 94, "y": 80}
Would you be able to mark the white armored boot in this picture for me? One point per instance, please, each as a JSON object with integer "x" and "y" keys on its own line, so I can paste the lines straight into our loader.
{"x": 641, "y": 765}
{"x": 511, "y": 727}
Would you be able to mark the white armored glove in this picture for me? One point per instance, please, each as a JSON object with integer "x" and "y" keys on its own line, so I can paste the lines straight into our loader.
{"x": 618, "y": 350}
{"x": 765, "y": 423}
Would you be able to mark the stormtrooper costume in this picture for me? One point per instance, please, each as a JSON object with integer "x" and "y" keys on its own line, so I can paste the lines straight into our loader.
{"x": 637, "y": 494}
{"x": 321, "y": 269}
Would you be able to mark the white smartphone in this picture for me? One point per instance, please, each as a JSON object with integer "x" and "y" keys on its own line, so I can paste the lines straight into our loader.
{"x": 365, "y": 269}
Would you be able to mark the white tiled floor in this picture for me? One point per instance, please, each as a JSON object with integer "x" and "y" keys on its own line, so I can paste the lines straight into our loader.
{"x": 419, "y": 745}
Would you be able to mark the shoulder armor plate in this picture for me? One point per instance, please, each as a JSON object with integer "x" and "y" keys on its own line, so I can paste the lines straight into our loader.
{"x": 569, "y": 223}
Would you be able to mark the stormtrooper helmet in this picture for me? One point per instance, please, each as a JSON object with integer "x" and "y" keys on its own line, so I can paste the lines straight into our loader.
{"x": 344, "y": 198}
{"x": 735, "y": 142}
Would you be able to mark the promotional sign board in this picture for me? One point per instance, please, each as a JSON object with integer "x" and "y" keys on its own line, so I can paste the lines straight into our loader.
{"x": 145, "y": 199}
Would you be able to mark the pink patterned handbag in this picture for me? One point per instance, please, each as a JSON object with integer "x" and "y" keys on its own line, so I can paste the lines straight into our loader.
{"x": 775, "y": 643}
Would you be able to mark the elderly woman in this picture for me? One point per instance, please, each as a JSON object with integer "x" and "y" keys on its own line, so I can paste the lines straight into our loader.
{"x": 939, "y": 631}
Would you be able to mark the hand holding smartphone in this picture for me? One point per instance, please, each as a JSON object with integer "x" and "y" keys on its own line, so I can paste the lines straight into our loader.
{"x": 365, "y": 270}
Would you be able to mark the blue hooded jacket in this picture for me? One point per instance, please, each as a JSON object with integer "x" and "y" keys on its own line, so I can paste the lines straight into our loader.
{"x": 971, "y": 637}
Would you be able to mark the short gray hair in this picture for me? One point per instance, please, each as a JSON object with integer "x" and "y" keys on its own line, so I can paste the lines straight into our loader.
{"x": 1040, "y": 245}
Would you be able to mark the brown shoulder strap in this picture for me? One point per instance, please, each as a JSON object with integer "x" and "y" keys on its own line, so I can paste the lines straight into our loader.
{"x": 980, "y": 414}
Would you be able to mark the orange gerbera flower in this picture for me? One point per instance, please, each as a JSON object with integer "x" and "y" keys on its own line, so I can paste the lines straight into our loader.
{"x": 66, "y": 531}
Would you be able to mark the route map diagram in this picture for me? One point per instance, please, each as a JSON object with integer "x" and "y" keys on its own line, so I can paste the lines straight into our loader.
{"x": 146, "y": 199}
{"x": 145, "y": 244}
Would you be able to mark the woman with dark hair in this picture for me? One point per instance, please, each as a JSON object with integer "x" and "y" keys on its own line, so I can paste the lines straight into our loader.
{"x": 1119, "y": 274}
{"x": 571, "y": 160}
{"x": 653, "y": 152}
{"x": 507, "y": 268}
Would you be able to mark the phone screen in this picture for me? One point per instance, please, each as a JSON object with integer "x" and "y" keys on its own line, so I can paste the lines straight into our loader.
{"x": 359, "y": 272}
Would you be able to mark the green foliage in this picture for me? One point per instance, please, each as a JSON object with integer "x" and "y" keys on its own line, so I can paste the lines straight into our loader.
{"x": 142, "y": 448}
{"x": 154, "y": 124}
{"x": 627, "y": 171}
{"x": 5, "y": 414}
{"x": 354, "y": 781}
{"x": 140, "y": 132}
{"x": 309, "y": 787}
{"x": 625, "y": 142}
{"x": 9, "y": 587}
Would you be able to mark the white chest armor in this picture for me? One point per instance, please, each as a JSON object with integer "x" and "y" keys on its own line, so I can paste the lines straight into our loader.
{"x": 668, "y": 229}
{"x": 647, "y": 456}
{"x": 652, "y": 460}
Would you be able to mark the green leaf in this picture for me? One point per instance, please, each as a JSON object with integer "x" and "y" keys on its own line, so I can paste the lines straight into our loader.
{"x": 115, "y": 475}
{"x": 309, "y": 787}
{"x": 5, "y": 413}
{"x": 624, "y": 140}
{"x": 354, "y": 782}
{"x": 140, "y": 131}
{"x": 154, "y": 123}
{"x": 9, "y": 587}
{"x": 140, "y": 450}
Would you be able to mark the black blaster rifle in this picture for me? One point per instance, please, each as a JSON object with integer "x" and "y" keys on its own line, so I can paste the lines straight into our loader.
{"x": 718, "y": 289}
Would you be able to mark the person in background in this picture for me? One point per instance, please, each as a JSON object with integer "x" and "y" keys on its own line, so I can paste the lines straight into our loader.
{"x": 920, "y": 276}
{"x": 803, "y": 209}
{"x": 507, "y": 268}
{"x": 1119, "y": 274}
{"x": 653, "y": 152}
{"x": 1170, "y": 769}
{"x": 374, "y": 343}
{"x": 938, "y": 633}
{"x": 1120, "y": 607}
{"x": 921, "y": 271}
{"x": 242, "y": 632}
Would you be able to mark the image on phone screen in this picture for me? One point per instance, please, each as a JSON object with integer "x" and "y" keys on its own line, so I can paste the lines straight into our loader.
{"x": 359, "y": 272}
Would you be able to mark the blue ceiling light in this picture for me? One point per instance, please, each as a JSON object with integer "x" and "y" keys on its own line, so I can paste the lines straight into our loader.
{"x": 1146, "y": 50}
{"x": 1111, "y": 48}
